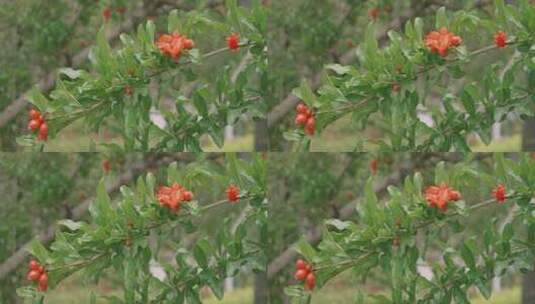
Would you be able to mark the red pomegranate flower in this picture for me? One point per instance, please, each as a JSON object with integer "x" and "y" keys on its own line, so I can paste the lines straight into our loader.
{"x": 172, "y": 45}
{"x": 172, "y": 197}
{"x": 439, "y": 42}
{"x": 38, "y": 124}
{"x": 106, "y": 166}
{"x": 106, "y": 13}
{"x": 233, "y": 41}
{"x": 128, "y": 90}
{"x": 374, "y": 164}
{"x": 37, "y": 273}
{"x": 233, "y": 193}
{"x": 373, "y": 13}
{"x": 304, "y": 272}
{"x": 305, "y": 118}
{"x": 500, "y": 39}
{"x": 499, "y": 193}
{"x": 440, "y": 196}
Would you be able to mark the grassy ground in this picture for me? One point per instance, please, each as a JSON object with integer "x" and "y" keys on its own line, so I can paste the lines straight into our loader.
{"x": 346, "y": 296}
{"x": 508, "y": 144}
{"x": 70, "y": 140}
{"x": 73, "y": 291}
{"x": 239, "y": 296}
{"x": 341, "y": 136}
{"x": 509, "y": 296}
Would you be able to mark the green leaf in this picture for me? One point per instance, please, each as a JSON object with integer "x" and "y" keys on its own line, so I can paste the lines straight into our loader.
{"x": 173, "y": 24}
{"x": 419, "y": 28}
{"x": 200, "y": 256}
{"x": 371, "y": 47}
{"x": 380, "y": 299}
{"x": 370, "y": 207}
{"x": 499, "y": 167}
{"x": 233, "y": 168}
{"x": 103, "y": 53}
{"x": 418, "y": 182}
{"x": 72, "y": 225}
{"x": 338, "y": 224}
{"x": 151, "y": 184}
{"x": 200, "y": 103}
{"x": 100, "y": 209}
{"x": 460, "y": 295}
{"x": 295, "y": 291}
{"x": 468, "y": 256}
{"x": 129, "y": 280}
{"x": 141, "y": 189}
{"x": 38, "y": 250}
{"x": 93, "y": 298}
{"x": 232, "y": 7}
{"x": 338, "y": 68}
{"x": 500, "y": 12}
{"x": 306, "y": 250}
{"x": 292, "y": 135}
{"x": 38, "y": 99}
{"x": 508, "y": 232}
{"x": 488, "y": 237}
{"x": 172, "y": 173}
{"x": 397, "y": 278}
{"x": 151, "y": 30}
{"x": 71, "y": 73}
{"x": 217, "y": 288}
{"x": 304, "y": 92}
{"x": 441, "y": 18}
{"x": 441, "y": 175}
{"x": 484, "y": 288}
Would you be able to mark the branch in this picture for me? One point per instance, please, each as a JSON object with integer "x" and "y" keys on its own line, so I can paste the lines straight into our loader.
{"x": 47, "y": 236}
{"x": 314, "y": 235}
{"x": 48, "y": 81}
{"x": 286, "y": 105}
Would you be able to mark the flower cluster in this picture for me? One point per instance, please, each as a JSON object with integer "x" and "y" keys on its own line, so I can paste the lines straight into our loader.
{"x": 305, "y": 118}
{"x": 373, "y": 13}
{"x": 499, "y": 193}
{"x": 172, "y": 197}
{"x": 304, "y": 273}
{"x": 173, "y": 44}
{"x": 374, "y": 164}
{"x": 500, "y": 39}
{"x": 106, "y": 166}
{"x": 38, "y": 123}
{"x": 106, "y": 13}
{"x": 440, "y": 196}
{"x": 233, "y": 193}
{"x": 37, "y": 273}
{"x": 233, "y": 41}
{"x": 440, "y": 42}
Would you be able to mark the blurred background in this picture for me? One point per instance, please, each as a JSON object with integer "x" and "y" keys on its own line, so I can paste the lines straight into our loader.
{"x": 39, "y": 37}
{"x": 304, "y": 35}
{"x": 38, "y": 189}
{"x": 308, "y": 188}
{"x": 316, "y": 33}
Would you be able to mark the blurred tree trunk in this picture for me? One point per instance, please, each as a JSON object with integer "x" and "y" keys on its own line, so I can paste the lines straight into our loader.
{"x": 260, "y": 144}
{"x": 528, "y": 144}
{"x": 528, "y": 135}
{"x": 528, "y": 282}
{"x": 260, "y": 288}
{"x": 260, "y": 279}
{"x": 261, "y": 136}
{"x": 528, "y": 288}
